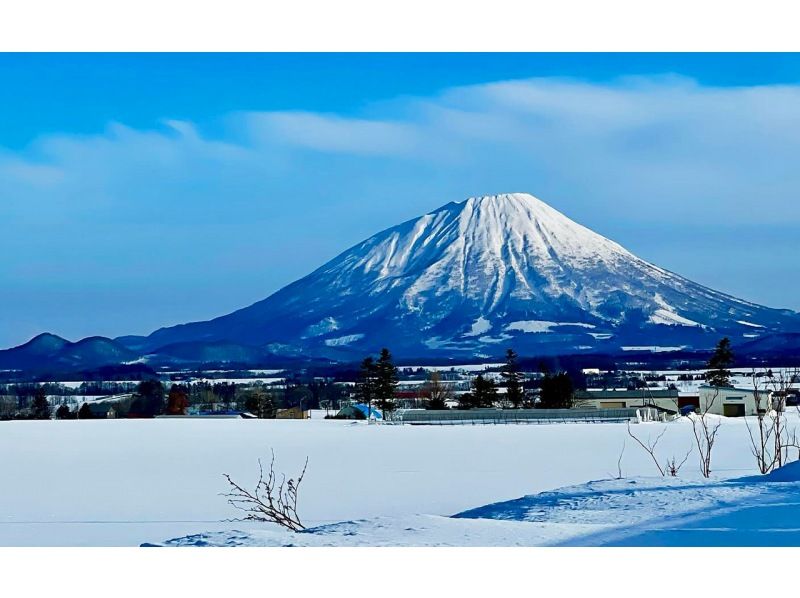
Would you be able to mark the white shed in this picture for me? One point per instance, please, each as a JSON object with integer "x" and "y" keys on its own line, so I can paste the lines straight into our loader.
{"x": 737, "y": 401}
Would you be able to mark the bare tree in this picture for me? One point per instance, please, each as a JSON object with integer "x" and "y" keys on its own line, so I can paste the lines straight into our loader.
{"x": 649, "y": 446}
{"x": 770, "y": 436}
{"x": 619, "y": 475}
{"x": 705, "y": 430}
{"x": 671, "y": 467}
{"x": 270, "y": 501}
{"x": 438, "y": 392}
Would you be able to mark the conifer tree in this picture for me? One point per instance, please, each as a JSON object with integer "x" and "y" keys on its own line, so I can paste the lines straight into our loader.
{"x": 386, "y": 379}
{"x": 718, "y": 373}
{"x": 366, "y": 385}
{"x": 149, "y": 399}
{"x": 85, "y": 412}
{"x": 62, "y": 412}
{"x": 513, "y": 379}
{"x": 557, "y": 391}
{"x": 484, "y": 392}
{"x": 41, "y": 407}
{"x": 259, "y": 402}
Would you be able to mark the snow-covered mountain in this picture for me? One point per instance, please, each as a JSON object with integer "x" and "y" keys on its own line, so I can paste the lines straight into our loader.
{"x": 475, "y": 277}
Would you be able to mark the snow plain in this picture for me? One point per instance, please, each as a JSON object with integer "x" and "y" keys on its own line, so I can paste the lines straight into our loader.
{"x": 133, "y": 482}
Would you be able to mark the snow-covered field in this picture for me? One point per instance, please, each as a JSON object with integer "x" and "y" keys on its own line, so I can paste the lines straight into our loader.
{"x": 132, "y": 482}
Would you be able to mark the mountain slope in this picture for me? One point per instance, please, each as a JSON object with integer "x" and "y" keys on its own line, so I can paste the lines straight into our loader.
{"x": 474, "y": 277}
{"x": 55, "y": 353}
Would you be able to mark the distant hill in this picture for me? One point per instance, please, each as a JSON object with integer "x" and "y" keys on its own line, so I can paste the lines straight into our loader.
{"x": 48, "y": 351}
{"x": 776, "y": 346}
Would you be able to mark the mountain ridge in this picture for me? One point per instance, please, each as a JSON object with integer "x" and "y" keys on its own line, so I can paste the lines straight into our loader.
{"x": 50, "y": 350}
{"x": 464, "y": 281}
{"x": 478, "y": 273}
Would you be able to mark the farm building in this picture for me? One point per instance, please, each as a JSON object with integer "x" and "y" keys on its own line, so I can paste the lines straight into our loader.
{"x": 666, "y": 399}
{"x": 446, "y": 417}
{"x": 739, "y": 402}
{"x": 291, "y": 413}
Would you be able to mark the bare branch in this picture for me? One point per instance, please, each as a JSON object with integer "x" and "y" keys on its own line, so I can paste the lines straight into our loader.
{"x": 673, "y": 467}
{"x": 268, "y": 503}
{"x": 650, "y": 447}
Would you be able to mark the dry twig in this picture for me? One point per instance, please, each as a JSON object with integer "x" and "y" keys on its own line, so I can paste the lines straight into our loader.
{"x": 270, "y": 501}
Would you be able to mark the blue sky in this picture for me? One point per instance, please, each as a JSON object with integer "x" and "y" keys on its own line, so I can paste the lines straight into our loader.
{"x": 138, "y": 191}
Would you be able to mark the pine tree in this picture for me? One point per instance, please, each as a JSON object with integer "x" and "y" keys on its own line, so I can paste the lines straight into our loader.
{"x": 513, "y": 379}
{"x": 466, "y": 401}
{"x": 41, "y": 407}
{"x": 63, "y": 412}
{"x": 149, "y": 399}
{"x": 484, "y": 392}
{"x": 557, "y": 391}
{"x": 718, "y": 373}
{"x": 366, "y": 386}
{"x": 85, "y": 412}
{"x": 386, "y": 379}
{"x": 260, "y": 403}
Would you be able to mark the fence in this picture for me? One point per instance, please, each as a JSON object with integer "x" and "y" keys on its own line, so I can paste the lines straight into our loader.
{"x": 454, "y": 417}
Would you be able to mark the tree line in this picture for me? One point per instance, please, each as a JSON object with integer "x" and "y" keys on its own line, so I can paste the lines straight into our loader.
{"x": 378, "y": 380}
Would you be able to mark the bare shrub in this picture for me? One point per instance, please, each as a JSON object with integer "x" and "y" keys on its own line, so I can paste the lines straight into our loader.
{"x": 649, "y": 446}
{"x": 770, "y": 437}
{"x": 704, "y": 429}
{"x": 671, "y": 467}
{"x": 270, "y": 501}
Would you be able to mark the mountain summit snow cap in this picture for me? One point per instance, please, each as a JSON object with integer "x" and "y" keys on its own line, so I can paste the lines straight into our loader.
{"x": 518, "y": 227}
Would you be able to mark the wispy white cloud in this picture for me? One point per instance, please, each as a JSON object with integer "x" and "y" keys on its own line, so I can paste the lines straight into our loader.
{"x": 332, "y": 133}
{"x": 627, "y": 139}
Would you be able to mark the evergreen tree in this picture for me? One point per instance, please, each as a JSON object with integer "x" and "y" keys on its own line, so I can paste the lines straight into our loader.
{"x": 260, "y": 403}
{"x": 466, "y": 401}
{"x": 63, "y": 412}
{"x": 386, "y": 379}
{"x": 149, "y": 399}
{"x": 513, "y": 379}
{"x": 40, "y": 407}
{"x": 85, "y": 412}
{"x": 298, "y": 395}
{"x": 557, "y": 391}
{"x": 484, "y": 392}
{"x": 718, "y": 373}
{"x": 366, "y": 385}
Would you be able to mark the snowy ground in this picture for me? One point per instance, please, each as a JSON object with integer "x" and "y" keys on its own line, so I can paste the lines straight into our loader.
{"x": 633, "y": 512}
{"x": 132, "y": 482}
